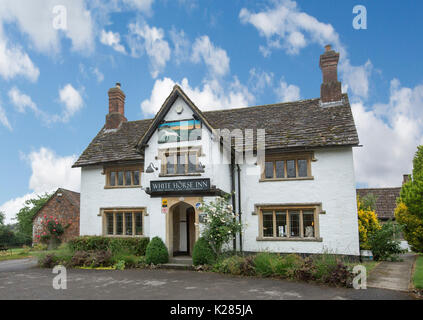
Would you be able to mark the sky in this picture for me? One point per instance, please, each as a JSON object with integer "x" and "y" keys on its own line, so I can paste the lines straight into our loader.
{"x": 58, "y": 58}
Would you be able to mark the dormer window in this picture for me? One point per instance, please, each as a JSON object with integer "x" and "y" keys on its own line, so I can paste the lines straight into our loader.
{"x": 181, "y": 161}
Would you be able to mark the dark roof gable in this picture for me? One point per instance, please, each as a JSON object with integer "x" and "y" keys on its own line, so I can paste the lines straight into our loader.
{"x": 72, "y": 196}
{"x": 290, "y": 125}
{"x": 386, "y": 200}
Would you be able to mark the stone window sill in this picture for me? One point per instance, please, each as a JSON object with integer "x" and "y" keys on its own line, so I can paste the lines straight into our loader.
{"x": 289, "y": 239}
{"x": 286, "y": 179}
{"x": 123, "y": 236}
{"x": 122, "y": 187}
{"x": 181, "y": 175}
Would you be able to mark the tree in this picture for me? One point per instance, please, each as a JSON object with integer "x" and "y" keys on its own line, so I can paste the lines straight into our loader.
{"x": 2, "y": 218}
{"x": 27, "y": 213}
{"x": 412, "y": 191}
{"x": 383, "y": 242}
{"x": 221, "y": 223}
{"x": 409, "y": 211}
{"x": 367, "y": 224}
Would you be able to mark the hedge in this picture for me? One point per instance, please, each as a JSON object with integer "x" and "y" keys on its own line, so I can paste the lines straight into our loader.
{"x": 135, "y": 246}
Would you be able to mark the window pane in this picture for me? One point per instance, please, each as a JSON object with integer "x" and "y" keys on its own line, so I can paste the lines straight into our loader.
{"x": 290, "y": 167}
{"x": 281, "y": 227}
{"x": 128, "y": 181}
{"x": 170, "y": 164}
{"x": 128, "y": 224}
{"x": 267, "y": 224}
{"x": 119, "y": 223}
{"x": 192, "y": 162}
{"x": 112, "y": 178}
{"x": 109, "y": 223}
{"x": 294, "y": 219}
{"x": 308, "y": 223}
{"x": 302, "y": 168}
{"x": 181, "y": 164}
{"x": 120, "y": 178}
{"x": 136, "y": 178}
{"x": 138, "y": 223}
{"x": 269, "y": 170}
{"x": 280, "y": 169}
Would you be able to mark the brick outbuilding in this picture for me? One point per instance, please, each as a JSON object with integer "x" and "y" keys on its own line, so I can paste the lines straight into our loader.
{"x": 63, "y": 205}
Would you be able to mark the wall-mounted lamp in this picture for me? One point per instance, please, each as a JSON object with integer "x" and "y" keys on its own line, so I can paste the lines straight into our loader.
{"x": 151, "y": 168}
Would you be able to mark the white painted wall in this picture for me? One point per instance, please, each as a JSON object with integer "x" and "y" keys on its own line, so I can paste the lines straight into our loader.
{"x": 333, "y": 186}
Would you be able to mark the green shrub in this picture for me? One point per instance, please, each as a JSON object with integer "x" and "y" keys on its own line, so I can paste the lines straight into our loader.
{"x": 93, "y": 259}
{"x": 120, "y": 265}
{"x": 383, "y": 243}
{"x": 136, "y": 246}
{"x": 232, "y": 265}
{"x": 323, "y": 264}
{"x": 131, "y": 261}
{"x": 156, "y": 252}
{"x": 202, "y": 253}
{"x": 271, "y": 264}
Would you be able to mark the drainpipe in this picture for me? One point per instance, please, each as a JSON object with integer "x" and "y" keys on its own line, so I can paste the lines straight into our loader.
{"x": 239, "y": 205}
{"x": 233, "y": 193}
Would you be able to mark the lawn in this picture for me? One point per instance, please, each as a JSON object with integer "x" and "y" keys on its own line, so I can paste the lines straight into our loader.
{"x": 418, "y": 273}
{"x": 18, "y": 253}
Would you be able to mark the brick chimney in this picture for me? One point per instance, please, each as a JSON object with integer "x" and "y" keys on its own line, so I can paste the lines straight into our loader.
{"x": 116, "y": 108}
{"x": 330, "y": 90}
{"x": 405, "y": 178}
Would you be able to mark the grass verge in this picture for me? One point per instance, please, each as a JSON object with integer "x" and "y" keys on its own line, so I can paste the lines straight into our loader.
{"x": 418, "y": 273}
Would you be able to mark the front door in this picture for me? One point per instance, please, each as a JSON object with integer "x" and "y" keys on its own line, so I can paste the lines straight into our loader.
{"x": 182, "y": 230}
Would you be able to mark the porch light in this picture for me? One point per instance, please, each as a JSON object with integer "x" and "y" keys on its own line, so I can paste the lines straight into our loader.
{"x": 151, "y": 168}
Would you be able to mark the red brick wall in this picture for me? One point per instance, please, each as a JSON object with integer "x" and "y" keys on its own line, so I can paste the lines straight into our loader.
{"x": 62, "y": 209}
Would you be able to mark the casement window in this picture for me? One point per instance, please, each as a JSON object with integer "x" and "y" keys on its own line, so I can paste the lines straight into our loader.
{"x": 123, "y": 177}
{"x": 182, "y": 161}
{"x": 288, "y": 223}
{"x": 287, "y": 167}
{"x": 123, "y": 222}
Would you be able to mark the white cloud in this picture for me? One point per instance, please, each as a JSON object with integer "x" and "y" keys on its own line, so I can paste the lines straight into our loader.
{"x": 181, "y": 45}
{"x": 3, "y": 119}
{"x": 260, "y": 79}
{"x": 71, "y": 99}
{"x": 287, "y": 92}
{"x": 286, "y": 27}
{"x": 214, "y": 57}
{"x": 150, "y": 40}
{"x": 15, "y": 62}
{"x": 389, "y": 134}
{"x": 112, "y": 39}
{"x": 35, "y": 19}
{"x": 141, "y": 5}
{"x": 49, "y": 172}
{"x": 211, "y": 96}
{"x": 99, "y": 75}
{"x": 21, "y": 101}
{"x": 12, "y": 207}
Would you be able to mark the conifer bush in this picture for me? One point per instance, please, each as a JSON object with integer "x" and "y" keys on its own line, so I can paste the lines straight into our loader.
{"x": 156, "y": 252}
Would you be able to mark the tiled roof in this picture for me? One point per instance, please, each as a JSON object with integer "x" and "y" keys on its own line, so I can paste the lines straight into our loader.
{"x": 73, "y": 197}
{"x": 299, "y": 124}
{"x": 386, "y": 200}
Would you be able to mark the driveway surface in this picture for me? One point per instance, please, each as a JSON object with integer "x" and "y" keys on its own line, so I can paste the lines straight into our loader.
{"x": 393, "y": 275}
{"x": 161, "y": 284}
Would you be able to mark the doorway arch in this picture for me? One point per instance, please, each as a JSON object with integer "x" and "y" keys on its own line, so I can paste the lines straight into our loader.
{"x": 182, "y": 225}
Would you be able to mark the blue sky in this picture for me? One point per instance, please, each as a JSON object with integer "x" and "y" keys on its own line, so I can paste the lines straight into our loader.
{"x": 54, "y": 82}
